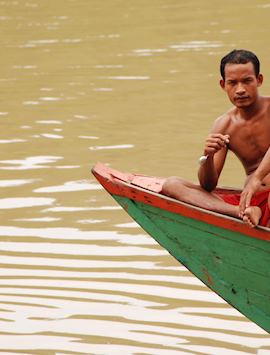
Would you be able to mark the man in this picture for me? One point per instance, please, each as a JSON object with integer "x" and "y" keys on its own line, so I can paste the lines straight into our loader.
{"x": 245, "y": 130}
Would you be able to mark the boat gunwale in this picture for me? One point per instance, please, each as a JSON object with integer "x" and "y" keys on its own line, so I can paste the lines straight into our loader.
{"x": 125, "y": 188}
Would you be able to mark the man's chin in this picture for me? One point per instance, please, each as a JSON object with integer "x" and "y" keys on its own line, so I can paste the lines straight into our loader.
{"x": 242, "y": 103}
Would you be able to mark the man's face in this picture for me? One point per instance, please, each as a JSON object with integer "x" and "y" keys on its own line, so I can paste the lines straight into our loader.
{"x": 241, "y": 84}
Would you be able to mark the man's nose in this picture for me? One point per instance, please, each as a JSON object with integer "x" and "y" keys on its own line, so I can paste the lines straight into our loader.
{"x": 240, "y": 90}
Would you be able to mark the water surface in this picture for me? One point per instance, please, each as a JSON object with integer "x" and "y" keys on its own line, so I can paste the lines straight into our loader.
{"x": 134, "y": 85}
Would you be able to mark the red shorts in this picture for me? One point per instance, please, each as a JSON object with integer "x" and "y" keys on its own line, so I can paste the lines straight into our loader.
{"x": 260, "y": 199}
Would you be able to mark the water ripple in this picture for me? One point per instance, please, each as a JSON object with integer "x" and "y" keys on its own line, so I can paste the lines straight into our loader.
{"x": 34, "y": 162}
{"x": 80, "y": 185}
{"x": 23, "y": 202}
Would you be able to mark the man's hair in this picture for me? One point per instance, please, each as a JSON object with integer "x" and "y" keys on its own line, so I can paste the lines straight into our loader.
{"x": 240, "y": 56}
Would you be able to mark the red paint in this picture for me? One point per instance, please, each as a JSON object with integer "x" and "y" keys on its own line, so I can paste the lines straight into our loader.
{"x": 208, "y": 278}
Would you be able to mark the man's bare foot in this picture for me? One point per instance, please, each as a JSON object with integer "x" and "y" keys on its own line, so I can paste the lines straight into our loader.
{"x": 252, "y": 216}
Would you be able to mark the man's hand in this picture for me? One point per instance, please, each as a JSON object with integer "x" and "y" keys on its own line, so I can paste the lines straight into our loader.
{"x": 215, "y": 142}
{"x": 252, "y": 186}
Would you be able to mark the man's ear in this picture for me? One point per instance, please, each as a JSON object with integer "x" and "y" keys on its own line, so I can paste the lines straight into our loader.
{"x": 222, "y": 83}
{"x": 260, "y": 79}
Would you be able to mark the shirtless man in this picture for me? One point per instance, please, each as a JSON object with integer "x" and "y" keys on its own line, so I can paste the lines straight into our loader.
{"x": 245, "y": 130}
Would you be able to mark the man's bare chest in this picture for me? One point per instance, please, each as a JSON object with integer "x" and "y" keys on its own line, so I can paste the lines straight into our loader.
{"x": 250, "y": 142}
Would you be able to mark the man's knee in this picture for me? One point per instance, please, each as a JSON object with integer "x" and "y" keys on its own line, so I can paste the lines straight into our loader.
{"x": 172, "y": 184}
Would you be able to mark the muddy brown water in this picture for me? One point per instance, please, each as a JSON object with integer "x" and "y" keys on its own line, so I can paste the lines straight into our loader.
{"x": 133, "y": 84}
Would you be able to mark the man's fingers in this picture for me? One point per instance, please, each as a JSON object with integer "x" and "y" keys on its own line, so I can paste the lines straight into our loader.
{"x": 248, "y": 199}
{"x": 244, "y": 202}
{"x": 215, "y": 144}
{"x": 224, "y": 138}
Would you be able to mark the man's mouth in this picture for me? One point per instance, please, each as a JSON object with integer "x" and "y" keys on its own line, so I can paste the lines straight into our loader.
{"x": 240, "y": 98}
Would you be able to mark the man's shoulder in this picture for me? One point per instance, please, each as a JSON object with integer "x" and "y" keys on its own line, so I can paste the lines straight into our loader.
{"x": 225, "y": 118}
{"x": 266, "y": 100}
{"x": 226, "y": 122}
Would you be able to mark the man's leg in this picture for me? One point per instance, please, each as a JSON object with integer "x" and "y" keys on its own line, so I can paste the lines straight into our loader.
{"x": 190, "y": 193}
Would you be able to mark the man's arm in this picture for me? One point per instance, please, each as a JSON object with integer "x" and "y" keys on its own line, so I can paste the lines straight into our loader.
{"x": 254, "y": 183}
{"x": 216, "y": 151}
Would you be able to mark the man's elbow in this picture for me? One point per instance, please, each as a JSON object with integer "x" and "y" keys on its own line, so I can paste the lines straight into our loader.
{"x": 208, "y": 186}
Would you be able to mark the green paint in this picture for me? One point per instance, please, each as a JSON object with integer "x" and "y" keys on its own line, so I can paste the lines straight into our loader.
{"x": 233, "y": 265}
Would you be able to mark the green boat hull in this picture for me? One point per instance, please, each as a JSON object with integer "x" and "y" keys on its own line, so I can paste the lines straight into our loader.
{"x": 234, "y": 266}
{"x": 233, "y": 261}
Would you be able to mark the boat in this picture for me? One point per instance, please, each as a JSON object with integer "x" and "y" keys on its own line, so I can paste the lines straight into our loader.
{"x": 228, "y": 256}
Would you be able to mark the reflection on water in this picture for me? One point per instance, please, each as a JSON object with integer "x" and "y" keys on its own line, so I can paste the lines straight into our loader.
{"x": 18, "y": 202}
{"x": 29, "y": 163}
{"x": 70, "y": 287}
{"x": 133, "y": 85}
{"x": 96, "y": 292}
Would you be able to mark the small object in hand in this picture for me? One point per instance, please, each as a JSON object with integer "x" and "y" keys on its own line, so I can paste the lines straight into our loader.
{"x": 203, "y": 159}
{"x": 227, "y": 139}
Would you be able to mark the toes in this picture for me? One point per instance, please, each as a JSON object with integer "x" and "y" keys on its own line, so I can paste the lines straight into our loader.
{"x": 248, "y": 221}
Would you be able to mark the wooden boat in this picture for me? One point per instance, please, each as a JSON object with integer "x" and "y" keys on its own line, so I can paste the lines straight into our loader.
{"x": 231, "y": 258}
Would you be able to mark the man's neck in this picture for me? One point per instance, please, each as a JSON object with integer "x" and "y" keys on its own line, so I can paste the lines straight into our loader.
{"x": 250, "y": 112}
